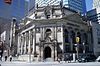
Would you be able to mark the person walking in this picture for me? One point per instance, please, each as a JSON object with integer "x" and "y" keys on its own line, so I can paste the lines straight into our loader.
{"x": 5, "y": 58}
{"x": 10, "y": 57}
{"x": 6, "y": 54}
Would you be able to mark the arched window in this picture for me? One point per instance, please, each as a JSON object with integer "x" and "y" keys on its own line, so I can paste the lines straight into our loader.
{"x": 48, "y": 32}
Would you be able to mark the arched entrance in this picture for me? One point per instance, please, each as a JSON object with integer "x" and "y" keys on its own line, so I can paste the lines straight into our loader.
{"x": 47, "y": 52}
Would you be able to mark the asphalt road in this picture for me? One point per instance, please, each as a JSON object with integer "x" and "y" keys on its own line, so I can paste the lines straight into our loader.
{"x": 48, "y": 64}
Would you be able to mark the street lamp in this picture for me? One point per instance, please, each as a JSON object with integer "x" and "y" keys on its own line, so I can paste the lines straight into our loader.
{"x": 77, "y": 46}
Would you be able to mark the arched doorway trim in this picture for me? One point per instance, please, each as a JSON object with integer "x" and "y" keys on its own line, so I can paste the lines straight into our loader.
{"x": 47, "y": 52}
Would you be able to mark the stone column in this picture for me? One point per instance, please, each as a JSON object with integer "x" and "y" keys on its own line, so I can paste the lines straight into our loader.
{"x": 29, "y": 46}
{"x": 62, "y": 30}
{"x": 19, "y": 44}
{"x": 43, "y": 33}
{"x": 42, "y": 48}
{"x": 40, "y": 52}
{"x": 55, "y": 43}
{"x": 54, "y": 33}
{"x": 34, "y": 40}
{"x": 29, "y": 43}
{"x": 25, "y": 43}
{"x": 55, "y": 51}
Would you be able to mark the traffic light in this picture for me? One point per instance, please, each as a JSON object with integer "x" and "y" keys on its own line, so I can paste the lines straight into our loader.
{"x": 8, "y": 1}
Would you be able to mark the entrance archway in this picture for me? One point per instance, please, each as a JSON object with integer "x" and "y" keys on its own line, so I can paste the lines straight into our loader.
{"x": 47, "y": 52}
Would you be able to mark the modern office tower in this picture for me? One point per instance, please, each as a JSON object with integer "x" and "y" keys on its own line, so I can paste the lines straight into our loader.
{"x": 96, "y": 3}
{"x": 17, "y": 8}
{"x": 94, "y": 14}
{"x": 77, "y": 5}
{"x": 4, "y": 9}
{"x": 21, "y": 8}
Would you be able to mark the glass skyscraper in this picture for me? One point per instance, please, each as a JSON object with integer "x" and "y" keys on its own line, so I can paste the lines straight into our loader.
{"x": 17, "y": 9}
{"x": 77, "y": 5}
{"x": 94, "y": 14}
{"x": 96, "y": 3}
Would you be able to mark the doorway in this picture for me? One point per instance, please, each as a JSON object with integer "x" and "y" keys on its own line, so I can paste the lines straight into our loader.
{"x": 47, "y": 52}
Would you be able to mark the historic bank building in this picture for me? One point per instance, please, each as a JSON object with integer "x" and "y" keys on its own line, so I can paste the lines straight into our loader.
{"x": 51, "y": 31}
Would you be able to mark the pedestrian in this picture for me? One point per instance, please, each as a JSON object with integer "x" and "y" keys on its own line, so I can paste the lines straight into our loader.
{"x": 70, "y": 57}
{"x": 6, "y": 54}
{"x": 66, "y": 58}
{"x": 58, "y": 58}
{"x": 10, "y": 58}
{"x": 5, "y": 58}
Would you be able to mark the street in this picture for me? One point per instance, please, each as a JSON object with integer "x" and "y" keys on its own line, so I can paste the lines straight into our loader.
{"x": 48, "y": 64}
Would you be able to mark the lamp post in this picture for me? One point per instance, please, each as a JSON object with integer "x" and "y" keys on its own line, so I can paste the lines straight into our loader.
{"x": 77, "y": 46}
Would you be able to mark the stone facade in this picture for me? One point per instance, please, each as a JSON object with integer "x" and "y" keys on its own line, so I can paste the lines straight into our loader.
{"x": 52, "y": 34}
{"x": 96, "y": 38}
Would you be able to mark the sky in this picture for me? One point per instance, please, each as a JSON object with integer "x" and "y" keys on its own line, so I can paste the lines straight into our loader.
{"x": 19, "y": 11}
{"x": 89, "y": 4}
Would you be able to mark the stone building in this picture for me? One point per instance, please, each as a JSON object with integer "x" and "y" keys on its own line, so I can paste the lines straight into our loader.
{"x": 95, "y": 38}
{"x": 8, "y": 34}
{"x": 5, "y": 32}
{"x": 51, "y": 31}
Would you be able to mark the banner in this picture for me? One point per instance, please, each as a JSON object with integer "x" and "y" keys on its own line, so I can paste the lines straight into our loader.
{"x": 8, "y": 1}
